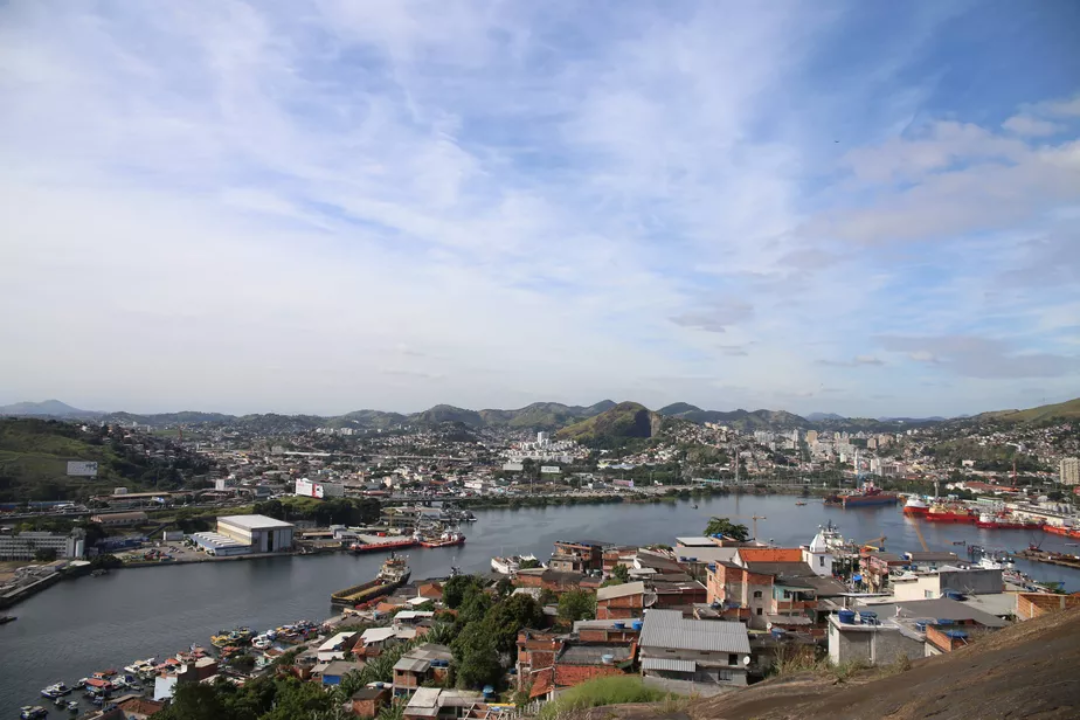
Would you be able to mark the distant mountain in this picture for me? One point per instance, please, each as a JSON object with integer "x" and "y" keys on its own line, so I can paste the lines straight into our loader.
{"x": 741, "y": 419}
{"x": 625, "y": 420}
{"x": 1068, "y": 410}
{"x": 49, "y": 408}
{"x": 820, "y": 416}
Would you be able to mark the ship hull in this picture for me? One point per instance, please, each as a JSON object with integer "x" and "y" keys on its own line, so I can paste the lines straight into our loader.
{"x": 366, "y": 592}
{"x": 854, "y": 501}
{"x": 955, "y": 518}
{"x": 381, "y": 547}
{"x": 441, "y": 543}
{"x": 1005, "y": 526}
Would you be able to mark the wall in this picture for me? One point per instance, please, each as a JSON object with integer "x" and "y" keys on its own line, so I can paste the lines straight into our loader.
{"x": 880, "y": 646}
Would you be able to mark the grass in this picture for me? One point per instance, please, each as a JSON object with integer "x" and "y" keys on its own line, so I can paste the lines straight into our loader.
{"x": 603, "y": 691}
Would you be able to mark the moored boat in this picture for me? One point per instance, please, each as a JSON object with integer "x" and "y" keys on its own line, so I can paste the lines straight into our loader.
{"x": 361, "y": 548}
{"x": 447, "y": 539}
{"x": 231, "y": 637}
{"x": 72, "y": 706}
{"x": 1005, "y": 521}
{"x": 5, "y": 619}
{"x": 510, "y": 564}
{"x": 916, "y": 507}
{"x": 394, "y": 573}
{"x": 947, "y": 513}
{"x": 56, "y": 690}
{"x": 869, "y": 495}
{"x": 35, "y": 712}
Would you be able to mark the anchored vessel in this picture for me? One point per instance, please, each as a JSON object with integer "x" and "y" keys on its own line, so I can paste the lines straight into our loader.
{"x": 394, "y": 573}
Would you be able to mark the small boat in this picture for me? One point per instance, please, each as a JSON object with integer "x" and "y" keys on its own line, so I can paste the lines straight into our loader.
{"x": 231, "y": 637}
{"x": 5, "y": 619}
{"x": 60, "y": 702}
{"x": 800, "y": 502}
{"x": 142, "y": 668}
{"x": 73, "y": 706}
{"x": 511, "y": 564}
{"x": 33, "y": 712}
{"x": 56, "y": 690}
{"x": 694, "y": 506}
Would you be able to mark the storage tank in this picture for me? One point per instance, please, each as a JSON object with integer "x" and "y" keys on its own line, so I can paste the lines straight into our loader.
{"x": 847, "y": 617}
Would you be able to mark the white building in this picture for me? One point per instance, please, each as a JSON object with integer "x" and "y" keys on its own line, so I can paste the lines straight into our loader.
{"x": 818, "y": 555}
{"x": 24, "y": 545}
{"x": 320, "y": 490}
{"x": 1070, "y": 471}
{"x": 542, "y": 438}
{"x": 263, "y": 534}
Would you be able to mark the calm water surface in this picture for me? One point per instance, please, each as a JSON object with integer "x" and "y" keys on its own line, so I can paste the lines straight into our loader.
{"x": 79, "y": 626}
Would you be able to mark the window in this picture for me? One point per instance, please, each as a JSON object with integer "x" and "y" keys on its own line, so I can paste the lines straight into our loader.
{"x": 759, "y": 611}
{"x": 787, "y": 595}
{"x": 928, "y": 594}
{"x": 723, "y": 675}
{"x": 732, "y": 659}
{"x": 757, "y": 594}
{"x": 821, "y": 561}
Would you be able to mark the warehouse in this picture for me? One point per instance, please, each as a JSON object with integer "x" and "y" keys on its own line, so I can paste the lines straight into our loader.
{"x": 263, "y": 534}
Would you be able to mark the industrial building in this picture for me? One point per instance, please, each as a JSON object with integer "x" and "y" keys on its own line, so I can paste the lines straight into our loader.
{"x": 320, "y": 490}
{"x": 243, "y": 534}
{"x": 24, "y": 545}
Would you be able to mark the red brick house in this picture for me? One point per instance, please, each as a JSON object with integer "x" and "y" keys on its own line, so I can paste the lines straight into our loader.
{"x": 627, "y": 600}
{"x": 367, "y": 702}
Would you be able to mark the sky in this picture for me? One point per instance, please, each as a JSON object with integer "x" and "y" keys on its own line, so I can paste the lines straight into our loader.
{"x": 325, "y": 205}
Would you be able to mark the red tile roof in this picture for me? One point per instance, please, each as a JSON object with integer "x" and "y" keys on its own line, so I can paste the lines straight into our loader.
{"x": 770, "y": 554}
{"x": 141, "y": 706}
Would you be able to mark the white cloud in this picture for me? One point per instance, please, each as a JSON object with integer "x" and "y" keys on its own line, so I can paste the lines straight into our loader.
{"x": 1027, "y": 125}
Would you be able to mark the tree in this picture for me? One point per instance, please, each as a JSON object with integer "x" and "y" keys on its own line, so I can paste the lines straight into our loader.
{"x": 723, "y": 526}
{"x": 45, "y": 554}
{"x": 476, "y": 659}
{"x": 474, "y": 607}
{"x": 504, "y": 620}
{"x": 621, "y": 573}
{"x": 194, "y": 701}
{"x": 454, "y": 589}
{"x": 529, "y": 564}
{"x": 577, "y": 605}
{"x": 504, "y": 587}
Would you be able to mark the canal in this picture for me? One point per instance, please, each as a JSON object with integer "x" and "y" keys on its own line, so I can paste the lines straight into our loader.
{"x": 79, "y": 626}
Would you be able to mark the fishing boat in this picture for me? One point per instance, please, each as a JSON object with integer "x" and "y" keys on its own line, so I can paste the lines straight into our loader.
{"x": 952, "y": 513}
{"x": 867, "y": 496}
{"x": 447, "y": 539}
{"x": 512, "y": 563}
{"x": 362, "y": 548}
{"x": 56, "y": 690}
{"x": 35, "y": 712}
{"x": 394, "y": 573}
{"x": 916, "y": 507}
{"x": 231, "y": 637}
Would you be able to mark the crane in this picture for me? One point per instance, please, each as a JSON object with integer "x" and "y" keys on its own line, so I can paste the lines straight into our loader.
{"x": 753, "y": 518}
{"x": 876, "y": 544}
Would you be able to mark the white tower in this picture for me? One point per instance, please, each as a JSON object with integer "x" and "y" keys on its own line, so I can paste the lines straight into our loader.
{"x": 817, "y": 555}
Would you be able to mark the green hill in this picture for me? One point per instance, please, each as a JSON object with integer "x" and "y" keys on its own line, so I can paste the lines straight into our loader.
{"x": 1068, "y": 410}
{"x": 34, "y": 454}
{"x": 624, "y": 421}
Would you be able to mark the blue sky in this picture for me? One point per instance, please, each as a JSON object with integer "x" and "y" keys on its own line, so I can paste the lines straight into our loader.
{"x": 327, "y": 205}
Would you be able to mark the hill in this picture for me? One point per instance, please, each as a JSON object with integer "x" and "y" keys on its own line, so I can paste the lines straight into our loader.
{"x": 34, "y": 454}
{"x": 744, "y": 420}
{"x": 624, "y": 421}
{"x": 1068, "y": 410}
{"x": 49, "y": 408}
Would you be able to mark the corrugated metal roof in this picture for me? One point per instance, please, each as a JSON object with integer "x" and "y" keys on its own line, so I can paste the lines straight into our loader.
{"x": 623, "y": 590}
{"x": 669, "y": 629}
{"x": 687, "y": 666}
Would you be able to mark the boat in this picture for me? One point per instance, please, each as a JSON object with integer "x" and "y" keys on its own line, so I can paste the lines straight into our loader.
{"x": 142, "y": 668}
{"x": 72, "y": 706}
{"x": 98, "y": 686}
{"x": 916, "y": 507}
{"x": 950, "y": 513}
{"x": 231, "y": 637}
{"x": 262, "y": 642}
{"x": 512, "y": 563}
{"x": 35, "y": 712}
{"x": 361, "y": 548}
{"x": 695, "y": 507}
{"x": 447, "y": 539}
{"x": 1005, "y": 521}
{"x": 60, "y": 702}
{"x": 56, "y": 690}
{"x": 394, "y": 573}
{"x": 869, "y": 495}
{"x": 1063, "y": 530}
{"x": 5, "y": 619}
{"x": 800, "y": 502}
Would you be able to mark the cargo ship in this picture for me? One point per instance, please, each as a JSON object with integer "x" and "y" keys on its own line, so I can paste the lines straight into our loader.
{"x": 447, "y": 539}
{"x": 988, "y": 521}
{"x": 394, "y": 573}
{"x": 1063, "y": 530}
{"x": 402, "y": 544}
{"x": 952, "y": 514}
{"x": 916, "y": 507}
{"x": 869, "y": 495}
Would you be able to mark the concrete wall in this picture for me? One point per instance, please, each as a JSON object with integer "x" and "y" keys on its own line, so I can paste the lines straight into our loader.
{"x": 881, "y": 645}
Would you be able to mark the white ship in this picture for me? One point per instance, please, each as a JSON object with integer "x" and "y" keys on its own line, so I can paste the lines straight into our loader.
{"x": 511, "y": 564}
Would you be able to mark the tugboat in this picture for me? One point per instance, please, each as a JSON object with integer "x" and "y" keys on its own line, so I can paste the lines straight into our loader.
{"x": 394, "y": 573}
{"x": 916, "y": 507}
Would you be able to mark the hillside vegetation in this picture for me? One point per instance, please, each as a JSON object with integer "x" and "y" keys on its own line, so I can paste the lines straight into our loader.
{"x": 624, "y": 421}
{"x": 34, "y": 454}
{"x": 1068, "y": 410}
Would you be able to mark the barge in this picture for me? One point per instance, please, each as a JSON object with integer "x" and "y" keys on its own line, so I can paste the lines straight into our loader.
{"x": 394, "y": 573}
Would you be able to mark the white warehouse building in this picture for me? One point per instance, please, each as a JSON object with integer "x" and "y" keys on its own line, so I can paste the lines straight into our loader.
{"x": 263, "y": 534}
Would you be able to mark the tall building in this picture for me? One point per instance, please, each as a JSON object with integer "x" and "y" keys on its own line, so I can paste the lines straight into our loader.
{"x": 811, "y": 437}
{"x": 542, "y": 438}
{"x": 1070, "y": 471}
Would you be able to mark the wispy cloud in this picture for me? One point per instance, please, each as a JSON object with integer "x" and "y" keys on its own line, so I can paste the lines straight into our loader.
{"x": 325, "y": 205}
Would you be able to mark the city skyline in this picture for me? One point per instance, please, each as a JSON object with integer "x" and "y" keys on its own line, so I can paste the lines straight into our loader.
{"x": 327, "y": 206}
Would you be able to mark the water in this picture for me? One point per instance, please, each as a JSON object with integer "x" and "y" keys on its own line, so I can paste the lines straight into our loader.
{"x": 79, "y": 626}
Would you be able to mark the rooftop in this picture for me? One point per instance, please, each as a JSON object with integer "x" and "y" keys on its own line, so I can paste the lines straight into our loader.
{"x": 254, "y": 522}
{"x": 695, "y": 542}
{"x": 934, "y": 609}
{"x": 770, "y": 555}
{"x": 617, "y": 591}
{"x": 669, "y": 629}
{"x": 593, "y": 654}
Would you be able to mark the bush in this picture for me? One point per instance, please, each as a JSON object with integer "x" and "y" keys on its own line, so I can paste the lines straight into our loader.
{"x": 601, "y": 691}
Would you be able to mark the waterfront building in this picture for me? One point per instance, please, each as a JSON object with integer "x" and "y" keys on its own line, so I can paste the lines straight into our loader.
{"x": 243, "y": 534}
{"x": 24, "y": 545}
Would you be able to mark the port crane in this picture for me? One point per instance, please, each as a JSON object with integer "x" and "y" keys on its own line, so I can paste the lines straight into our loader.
{"x": 877, "y": 544}
{"x": 753, "y": 518}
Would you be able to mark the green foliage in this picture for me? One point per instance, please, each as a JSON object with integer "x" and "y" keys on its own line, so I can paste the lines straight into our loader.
{"x": 577, "y": 605}
{"x": 296, "y": 699}
{"x": 613, "y": 690}
{"x": 194, "y": 701}
{"x": 454, "y": 589}
{"x": 333, "y": 511}
{"x": 105, "y": 562}
{"x": 530, "y": 564}
{"x": 45, "y": 554}
{"x": 474, "y": 606}
{"x": 625, "y": 421}
{"x": 723, "y": 526}
{"x": 476, "y": 658}
{"x": 621, "y": 573}
{"x": 505, "y": 619}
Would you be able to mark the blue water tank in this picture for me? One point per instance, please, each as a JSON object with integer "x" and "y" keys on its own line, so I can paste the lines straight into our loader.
{"x": 857, "y": 578}
{"x": 619, "y": 625}
{"x": 636, "y": 624}
{"x": 920, "y": 625}
{"x": 943, "y": 621}
{"x": 847, "y": 617}
{"x": 956, "y": 634}
{"x": 488, "y": 691}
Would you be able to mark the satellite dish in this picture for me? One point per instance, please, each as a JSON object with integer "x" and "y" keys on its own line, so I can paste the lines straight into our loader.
{"x": 746, "y": 660}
